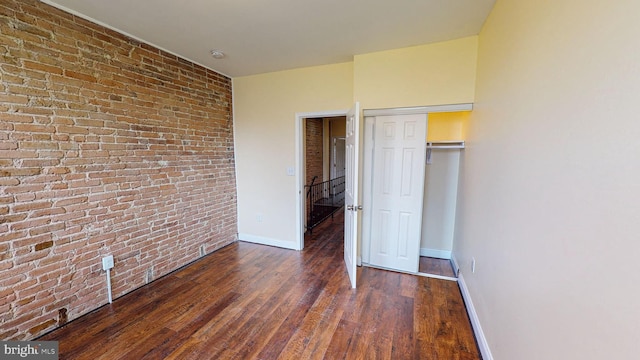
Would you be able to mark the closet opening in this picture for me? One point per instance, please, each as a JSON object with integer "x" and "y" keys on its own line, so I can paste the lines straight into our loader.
{"x": 410, "y": 185}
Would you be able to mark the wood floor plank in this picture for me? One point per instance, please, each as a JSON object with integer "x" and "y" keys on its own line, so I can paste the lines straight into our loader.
{"x": 313, "y": 340}
{"x": 341, "y": 340}
{"x": 190, "y": 327}
{"x": 442, "y": 267}
{"x": 278, "y": 341}
{"x": 251, "y": 338}
{"x": 248, "y": 301}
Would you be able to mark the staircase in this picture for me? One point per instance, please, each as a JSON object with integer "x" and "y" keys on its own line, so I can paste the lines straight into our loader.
{"x": 323, "y": 200}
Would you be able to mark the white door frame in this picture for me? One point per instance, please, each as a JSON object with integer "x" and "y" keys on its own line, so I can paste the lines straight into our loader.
{"x": 300, "y": 196}
{"x": 332, "y": 161}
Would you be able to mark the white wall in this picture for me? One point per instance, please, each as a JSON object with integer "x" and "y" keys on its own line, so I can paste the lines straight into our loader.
{"x": 439, "y": 204}
{"x": 551, "y": 181}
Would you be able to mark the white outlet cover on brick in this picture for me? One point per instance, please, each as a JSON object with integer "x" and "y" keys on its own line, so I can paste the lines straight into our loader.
{"x": 107, "y": 262}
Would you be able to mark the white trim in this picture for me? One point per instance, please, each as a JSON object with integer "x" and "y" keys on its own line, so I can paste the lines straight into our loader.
{"x": 367, "y": 178}
{"x": 433, "y": 276}
{"x": 419, "y": 110}
{"x": 445, "y": 144}
{"x": 454, "y": 264}
{"x": 300, "y": 209}
{"x": 120, "y": 31}
{"x": 235, "y": 151}
{"x": 322, "y": 114}
{"x": 266, "y": 241}
{"x": 436, "y": 253}
{"x": 299, "y": 159}
{"x": 475, "y": 321}
{"x": 439, "y": 277}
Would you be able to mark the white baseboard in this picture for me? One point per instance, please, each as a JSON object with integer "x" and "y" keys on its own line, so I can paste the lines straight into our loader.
{"x": 475, "y": 322}
{"x": 267, "y": 241}
{"x": 454, "y": 264}
{"x": 435, "y": 253}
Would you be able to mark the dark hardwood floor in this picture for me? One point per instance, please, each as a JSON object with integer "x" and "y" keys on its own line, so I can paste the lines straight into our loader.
{"x": 429, "y": 265}
{"x": 250, "y": 301}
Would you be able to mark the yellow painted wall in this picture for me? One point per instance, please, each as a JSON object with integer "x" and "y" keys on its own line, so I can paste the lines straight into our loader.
{"x": 447, "y": 126}
{"x": 550, "y": 181}
{"x": 264, "y": 117}
{"x": 433, "y": 74}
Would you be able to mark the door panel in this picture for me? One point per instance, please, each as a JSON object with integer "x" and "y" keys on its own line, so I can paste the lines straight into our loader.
{"x": 404, "y": 235}
{"x": 397, "y": 191}
{"x": 387, "y": 171}
{"x": 406, "y": 173}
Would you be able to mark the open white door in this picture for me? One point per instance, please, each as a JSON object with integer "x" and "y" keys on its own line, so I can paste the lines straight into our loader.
{"x": 351, "y": 192}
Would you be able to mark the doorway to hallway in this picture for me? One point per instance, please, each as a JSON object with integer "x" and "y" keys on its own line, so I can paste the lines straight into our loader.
{"x": 324, "y": 152}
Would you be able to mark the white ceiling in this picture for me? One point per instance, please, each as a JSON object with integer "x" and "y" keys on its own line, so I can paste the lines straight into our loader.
{"x": 261, "y": 36}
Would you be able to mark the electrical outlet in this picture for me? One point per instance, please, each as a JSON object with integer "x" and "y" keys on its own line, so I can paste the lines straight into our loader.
{"x": 107, "y": 262}
{"x": 259, "y": 218}
{"x": 473, "y": 265}
{"x": 148, "y": 277}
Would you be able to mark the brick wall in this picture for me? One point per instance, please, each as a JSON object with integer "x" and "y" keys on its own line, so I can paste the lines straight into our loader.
{"x": 107, "y": 146}
{"x": 313, "y": 151}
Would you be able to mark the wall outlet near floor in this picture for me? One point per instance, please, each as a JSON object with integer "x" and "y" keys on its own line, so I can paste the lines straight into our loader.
{"x": 148, "y": 276}
{"x": 107, "y": 262}
{"x": 473, "y": 265}
{"x": 259, "y": 217}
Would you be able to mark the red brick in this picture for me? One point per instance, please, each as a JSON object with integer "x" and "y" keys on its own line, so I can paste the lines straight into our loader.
{"x": 80, "y": 76}
{"x": 46, "y": 212}
{"x": 9, "y": 145}
{"x": 77, "y": 200}
{"x": 5, "y": 181}
{"x": 14, "y": 99}
{"x": 42, "y": 67}
{"x": 34, "y": 128}
{"x": 44, "y": 245}
{"x": 24, "y": 196}
{"x": 21, "y": 189}
{"x": 31, "y": 206}
{"x": 46, "y": 229}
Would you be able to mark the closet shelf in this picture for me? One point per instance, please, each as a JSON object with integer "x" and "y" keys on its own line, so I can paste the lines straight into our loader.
{"x": 445, "y": 144}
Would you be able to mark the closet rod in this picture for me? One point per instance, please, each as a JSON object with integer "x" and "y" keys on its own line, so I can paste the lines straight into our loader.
{"x": 445, "y": 144}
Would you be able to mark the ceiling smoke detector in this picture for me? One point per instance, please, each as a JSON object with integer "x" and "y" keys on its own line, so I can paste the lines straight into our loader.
{"x": 217, "y": 54}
